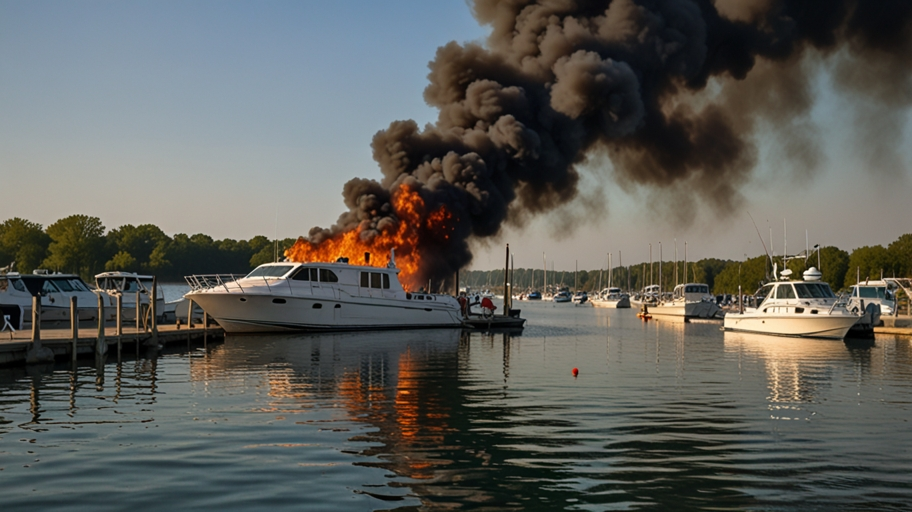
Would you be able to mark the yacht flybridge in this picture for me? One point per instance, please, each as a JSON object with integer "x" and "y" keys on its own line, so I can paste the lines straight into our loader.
{"x": 807, "y": 308}
{"x": 287, "y": 296}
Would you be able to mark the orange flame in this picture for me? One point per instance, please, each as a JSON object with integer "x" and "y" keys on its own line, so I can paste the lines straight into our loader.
{"x": 405, "y": 236}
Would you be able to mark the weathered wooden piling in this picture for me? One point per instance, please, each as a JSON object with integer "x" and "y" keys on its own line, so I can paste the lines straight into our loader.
{"x": 74, "y": 324}
{"x": 101, "y": 345}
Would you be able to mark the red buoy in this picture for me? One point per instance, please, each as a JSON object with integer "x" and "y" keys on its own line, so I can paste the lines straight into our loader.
{"x": 575, "y": 372}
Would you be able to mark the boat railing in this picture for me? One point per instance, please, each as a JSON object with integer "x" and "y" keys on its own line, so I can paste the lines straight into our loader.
{"x": 199, "y": 282}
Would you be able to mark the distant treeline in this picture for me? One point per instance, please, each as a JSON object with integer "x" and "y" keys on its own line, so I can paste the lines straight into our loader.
{"x": 79, "y": 244}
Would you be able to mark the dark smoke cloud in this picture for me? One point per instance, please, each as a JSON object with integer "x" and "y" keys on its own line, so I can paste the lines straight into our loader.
{"x": 558, "y": 80}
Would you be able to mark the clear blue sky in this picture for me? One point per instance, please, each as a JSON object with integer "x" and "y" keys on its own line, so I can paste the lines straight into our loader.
{"x": 216, "y": 116}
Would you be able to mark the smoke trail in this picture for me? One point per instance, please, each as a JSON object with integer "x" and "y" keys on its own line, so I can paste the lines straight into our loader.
{"x": 560, "y": 79}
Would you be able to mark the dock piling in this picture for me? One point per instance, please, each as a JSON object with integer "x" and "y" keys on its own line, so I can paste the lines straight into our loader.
{"x": 119, "y": 316}
{"x": 37, "y": 353}
{"x": 101, "y": 346}
{"x": 74, "y": 325}
{"x": 138, "y": 312}
{"x": 36, "y": 318}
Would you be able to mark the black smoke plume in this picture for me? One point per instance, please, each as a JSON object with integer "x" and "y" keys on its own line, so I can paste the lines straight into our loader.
{"x": 559, "y": 80}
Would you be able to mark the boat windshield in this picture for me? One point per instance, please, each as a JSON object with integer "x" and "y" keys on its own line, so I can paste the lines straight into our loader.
{"x": 270, "y": 271}
{"x": 871, "y": 292}
{"x": 764, "y": 292}
{"x": 69, "y": 285}
{"x": 813, "y": 291}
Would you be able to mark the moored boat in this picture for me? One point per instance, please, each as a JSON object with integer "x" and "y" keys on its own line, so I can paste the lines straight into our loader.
{"x": 55, "y": 291}
{"x": 561, "y": 296}
{"x": 129, "y": 285}
{"x": 611, "y": 298}
{"x": 689, "y": 300}
{"x": 807, "y": 308}
{"x": 287, "y": 296}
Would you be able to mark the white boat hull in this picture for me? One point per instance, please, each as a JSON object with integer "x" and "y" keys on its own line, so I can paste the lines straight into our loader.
{"x": 801, "y": 325}
{"x": 685, "y": 310}
{"x": 250, "y": 313}
{"x": 614, "y": 304}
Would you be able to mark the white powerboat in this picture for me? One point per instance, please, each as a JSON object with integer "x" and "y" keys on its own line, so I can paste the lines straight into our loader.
{"x": 561, "y": 296}
{"x": 649, "y": 296}
{"x": 55, "y": 291}
{"x": 580, "y": 298}
{"x": 807, "y": 308}
{"x": 287, "y": 296}
{"x": 611, "y": 298}
{"x": 689, "y": 300}
{"x": 872, "y": 292}
{"x": 128, "y": 285}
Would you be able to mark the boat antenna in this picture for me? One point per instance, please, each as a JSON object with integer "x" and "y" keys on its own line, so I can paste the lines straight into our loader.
{"x": 761, "y": 239}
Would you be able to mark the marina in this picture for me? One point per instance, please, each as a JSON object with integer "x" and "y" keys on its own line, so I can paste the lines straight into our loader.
{"x": 663, "y": 414}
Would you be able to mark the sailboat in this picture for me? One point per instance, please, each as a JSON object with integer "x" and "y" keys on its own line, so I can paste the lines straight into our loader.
{"x": 611, "y": 297}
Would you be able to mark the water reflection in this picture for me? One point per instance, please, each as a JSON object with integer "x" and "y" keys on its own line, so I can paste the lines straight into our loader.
{"x": 663, "y": 416}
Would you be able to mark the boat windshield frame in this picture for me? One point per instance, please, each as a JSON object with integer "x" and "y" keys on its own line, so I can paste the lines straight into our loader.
{"x": 880, "y": 291}
{"x": 815, "y": 290}
{"x": 274, "y": 271}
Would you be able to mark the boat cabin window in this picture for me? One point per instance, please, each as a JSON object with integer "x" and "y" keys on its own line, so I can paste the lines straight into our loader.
{"x": 130, "y": 285}
{"x": 785, "y": 291}
{"x": 763, "y": 293}
{"x": 328, "y": 276}
{"x": 375, "y": 280}
{"x": 813, "y": 291}
{"x": 48, "y": 287}
{"x": 17, "y": 284}
{"x": 871, "y": 292}
{"x": 64, "y": 285}
{"x": 270, "y": 271}
{"x": 303, "y": 274}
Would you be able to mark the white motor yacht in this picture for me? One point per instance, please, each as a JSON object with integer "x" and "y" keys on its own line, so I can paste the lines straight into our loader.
{"x": 689, "y": 300}
{"x": 872, "y": 292}
{"x": 128, "y": 285}
{"x": 611, "y": 298}
{"x": 336, "y": 296}
{"x": 648, "y": 296}
{"x": 55, "y": 291}
{"x": 807, "y": 308}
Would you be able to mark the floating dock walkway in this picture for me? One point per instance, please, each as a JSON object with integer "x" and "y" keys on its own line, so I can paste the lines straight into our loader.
{"x": 58, "y": 343}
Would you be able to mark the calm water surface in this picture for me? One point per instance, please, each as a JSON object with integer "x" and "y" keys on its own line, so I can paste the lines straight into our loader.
{"x": 662, "y": 416}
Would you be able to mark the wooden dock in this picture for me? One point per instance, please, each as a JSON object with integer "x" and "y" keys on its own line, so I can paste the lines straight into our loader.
{"x": 58, "y": 344}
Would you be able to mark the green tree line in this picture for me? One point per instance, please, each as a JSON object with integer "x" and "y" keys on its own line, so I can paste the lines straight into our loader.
{"x": 80, "y": 244}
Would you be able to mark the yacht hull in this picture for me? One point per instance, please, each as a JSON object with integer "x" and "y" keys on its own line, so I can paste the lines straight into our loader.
{"x": 613, "y": 304}
{"x": 252, "y": 313}
{"x": 685, "y": 310}
{"x": 793, "y": 325}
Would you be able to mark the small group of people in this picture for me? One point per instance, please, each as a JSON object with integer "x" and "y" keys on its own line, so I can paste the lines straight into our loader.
{"x": 487, "y": 305}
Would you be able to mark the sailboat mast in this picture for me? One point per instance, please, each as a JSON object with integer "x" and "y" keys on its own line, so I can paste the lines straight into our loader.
{"x": 507, "y": 283}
